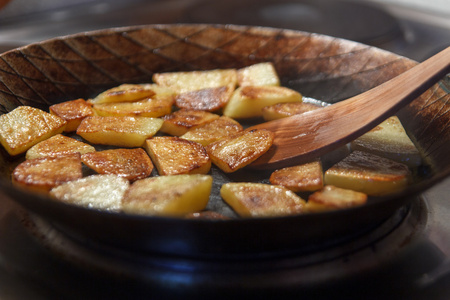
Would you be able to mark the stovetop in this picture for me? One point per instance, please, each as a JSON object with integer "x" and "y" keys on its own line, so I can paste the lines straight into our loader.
{"x": 407, "y": 257}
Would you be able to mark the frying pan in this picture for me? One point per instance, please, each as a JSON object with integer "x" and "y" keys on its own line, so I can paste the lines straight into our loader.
{"x": 322, "y": 67}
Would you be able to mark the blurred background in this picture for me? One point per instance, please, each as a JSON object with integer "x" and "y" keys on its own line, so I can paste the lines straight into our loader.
{"x": 413, "y": 28}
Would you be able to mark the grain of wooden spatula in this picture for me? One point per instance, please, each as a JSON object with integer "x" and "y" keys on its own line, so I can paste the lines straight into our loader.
{"x": 301, "y": 138}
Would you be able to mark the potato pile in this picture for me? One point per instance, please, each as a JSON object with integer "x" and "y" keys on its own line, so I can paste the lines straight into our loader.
{"x": 180, "y": 125}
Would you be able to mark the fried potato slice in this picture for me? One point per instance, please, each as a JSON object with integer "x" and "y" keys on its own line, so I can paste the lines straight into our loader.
{"x": 119, "y": 131}
{"x": 368, "y": 173}
{"x": 183, "y": 120}
{"x": 104, "y": 192}
{"x": 26, "y": 126}
{"x": 283, "y": 110}
{"x": 42, "y": 174}
{"x": 213, "y": 131}
{"x": 390, "y": 140}
{"x": 154, "y": 107}
{"x": 333, "y": 198}
{"x": 258, "y": 75}
{"x": 174, "y": 195}
{"x": 261, "y": 200}
{"x": 124, "y": 93}
{"x": 239, "y": 150}
{"x": 173, "y": 155}
{"x": 301, "y": 178}
{"x": 182, "y": 82}
{"x": 73, "y": 112}
{"x": 159, "y": 90}
{"x": 248, "y": 101}
{"x": 58, "y": 145}
{"x": 131, "y": 164}
{"x": 208, "y": 99}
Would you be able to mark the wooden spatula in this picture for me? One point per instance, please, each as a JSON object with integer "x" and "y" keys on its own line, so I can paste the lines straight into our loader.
{"x": 301, "y": 138}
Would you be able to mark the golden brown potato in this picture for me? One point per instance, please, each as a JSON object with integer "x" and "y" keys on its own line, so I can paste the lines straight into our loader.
{"x": 332, "y": 198}
{"x": 181, "y": 121}
{"x": 42, "y": 174}
{"x": 261, "y": 200}
{"x": 103, "y": 192}
{"x": 26, "y": 126}
{"x": 239, "y": 150}
{"x": 159, "y": 90}
{"x": 283, "y": 110}
{"x": 173, "y": 195}
{"x": 73, "y": 112}
{"x": 368, "y": 173}
{"x": 248, "y": 101}
{"x": 154, "y": 107}
{"x": 131, "y": 164}
{"x": 182, "y": 82}
{"x": 173, "y": 155}
{"x": 209, "y": 99}
{"x": 124, "y": 93}
{"x": 258, "y": 75}
{"x": 301, "y": 178}
{"x": 119, "y": 131}
{"x": 389, "y": 139}
{"x": 213, "y": 131}
{"x": 58, "y": 145}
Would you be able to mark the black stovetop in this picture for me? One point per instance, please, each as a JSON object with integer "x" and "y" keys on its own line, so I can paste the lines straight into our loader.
{"x": 405, "y": 257}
